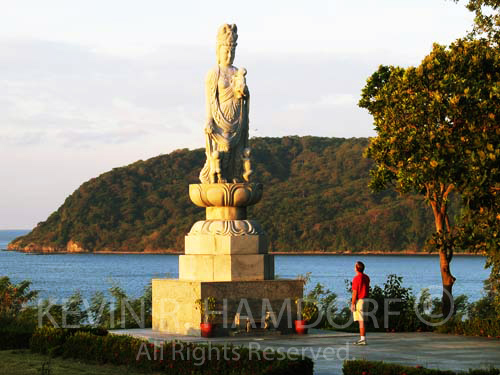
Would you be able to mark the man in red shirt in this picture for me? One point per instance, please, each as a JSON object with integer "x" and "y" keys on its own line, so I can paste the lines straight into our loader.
{"x": 360, "y": 287}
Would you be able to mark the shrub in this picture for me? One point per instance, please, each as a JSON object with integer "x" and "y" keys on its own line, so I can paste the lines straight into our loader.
{"x": 474, "y": 319}
{"x": 49, "y": 340}
{"x": 15, "y": 332}
{"x": 472, "y": 327}
{"x": 134, "y": 352}
{"x": 15, "y": 337}
{"x": 393, "y": 297}
{"x": 13, "y": 297}
{"x": 317, "y": 304}
{"x": 46, "y": 339}
{"x": 16, "y": 326}
{"x": 359, "y": 367}
{"x": 120, "y": 311}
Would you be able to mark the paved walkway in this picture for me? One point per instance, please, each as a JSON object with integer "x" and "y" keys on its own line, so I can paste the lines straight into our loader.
{"x": 329, "y": 349}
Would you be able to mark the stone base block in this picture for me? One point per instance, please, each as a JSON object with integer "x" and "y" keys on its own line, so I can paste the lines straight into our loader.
{"x": 212, "y": 244}
{"x": 174, "y": 309}
{"x": 226, "y": 267}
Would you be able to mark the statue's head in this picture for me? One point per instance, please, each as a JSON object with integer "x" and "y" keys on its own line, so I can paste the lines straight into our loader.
{"x": 226, "y": 44}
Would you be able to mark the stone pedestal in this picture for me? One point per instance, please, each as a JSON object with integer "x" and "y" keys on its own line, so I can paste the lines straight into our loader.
{"x": 225, "y": 258}
{"x": 174, "y": 310}
{"x": 226, "y": 267}
{"x": 226, "y": 246}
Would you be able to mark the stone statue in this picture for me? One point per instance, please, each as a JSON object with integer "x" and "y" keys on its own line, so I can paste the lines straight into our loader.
{"x": 225, "y": 255}
{"x": 227, "y": 106}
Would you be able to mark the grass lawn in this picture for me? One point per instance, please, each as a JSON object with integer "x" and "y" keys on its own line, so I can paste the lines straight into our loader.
{"x": 23, "y": 362}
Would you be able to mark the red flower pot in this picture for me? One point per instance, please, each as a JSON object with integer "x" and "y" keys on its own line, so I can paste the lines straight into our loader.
{"x": 206, "y": 329}
{"x": 300, "y": 327}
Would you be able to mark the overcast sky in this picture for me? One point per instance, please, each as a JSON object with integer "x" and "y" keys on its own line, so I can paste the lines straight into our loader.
{"x": 89, "y": 85}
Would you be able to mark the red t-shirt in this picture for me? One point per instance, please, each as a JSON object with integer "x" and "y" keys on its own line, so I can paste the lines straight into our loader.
{"x": 361, "y": 283}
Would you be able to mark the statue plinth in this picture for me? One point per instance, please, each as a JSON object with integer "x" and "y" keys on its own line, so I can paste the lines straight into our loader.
{"x": 226, "y": 246}
{"x": 175, "y": 312}
{"x": 225, "y": 258}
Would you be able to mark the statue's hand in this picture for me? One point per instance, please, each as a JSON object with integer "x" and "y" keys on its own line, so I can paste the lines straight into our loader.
{"x": 209, "y": 128}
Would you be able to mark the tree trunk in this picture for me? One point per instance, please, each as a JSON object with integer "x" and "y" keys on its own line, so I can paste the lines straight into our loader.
{"x": 439, "y": 209}
{"x": 448, "y": 281}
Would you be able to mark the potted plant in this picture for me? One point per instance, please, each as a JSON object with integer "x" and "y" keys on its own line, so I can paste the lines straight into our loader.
{"x": 306, "y": 309}
{"x": 207, "y": 309}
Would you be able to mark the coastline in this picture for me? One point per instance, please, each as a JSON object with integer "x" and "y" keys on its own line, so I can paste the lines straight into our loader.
{"x": 300, "y": 253}
{"x": 167, "y": 252}
{"x": 374, "y": 253}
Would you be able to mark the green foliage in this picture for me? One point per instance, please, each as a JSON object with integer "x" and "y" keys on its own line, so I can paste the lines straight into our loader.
{"x": 315, "y": 199}
{"x": 14, "y": 297}
{"x": 307, "y": 309}
{"x": 207, "y": 308}
{"x": 437, "y": 124}
{"x": 472, "y": 327}
{"x": 120, "y": 311}
{"x": 141, "y": 354}
{"x": 50, "y": 340}
{"x": 99, "y": 310}
{"x": 75, "y": 306}
{"x": 127, "y": 311}
{"x": 487, "y": 19}
{"x": 363, "y": 367}
{"x": 16, "y": 321}
{"x": 316, "y": 304}
{"x": 479, "y": 318}
{"x": 69, "y": 314}
{"x": 398, "y": 299}
{"x": 486, "y": 307}
{"x": 15, "y": 334}
{"x": 480, "y": 218}
{"x": 325, "y": 302}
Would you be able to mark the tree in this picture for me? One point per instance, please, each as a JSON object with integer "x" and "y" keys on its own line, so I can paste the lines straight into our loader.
{"x": 480, "y": 218}
{"x": 487, "y": 19}
{"x": 437, "y": 132}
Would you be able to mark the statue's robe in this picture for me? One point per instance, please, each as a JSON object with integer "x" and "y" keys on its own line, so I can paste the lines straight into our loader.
{"x": 228, "y": 116}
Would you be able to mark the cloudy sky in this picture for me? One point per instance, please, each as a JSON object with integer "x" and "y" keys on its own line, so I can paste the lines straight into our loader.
{"x": 89, "y": 85}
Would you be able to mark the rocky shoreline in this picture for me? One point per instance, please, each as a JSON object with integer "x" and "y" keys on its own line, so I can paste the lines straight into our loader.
{"x": 73, "y": 248}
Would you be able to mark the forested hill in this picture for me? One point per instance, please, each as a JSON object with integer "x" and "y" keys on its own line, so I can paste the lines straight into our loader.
{"x": 315, "y": 199}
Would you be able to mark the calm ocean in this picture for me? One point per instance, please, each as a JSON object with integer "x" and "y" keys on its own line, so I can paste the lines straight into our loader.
{"x": 59, "y": 275}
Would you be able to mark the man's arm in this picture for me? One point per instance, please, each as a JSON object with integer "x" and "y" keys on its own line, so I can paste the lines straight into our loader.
{"x": 354, "y": 299}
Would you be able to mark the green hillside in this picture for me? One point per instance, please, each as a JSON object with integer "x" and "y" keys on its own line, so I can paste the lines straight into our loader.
{"x": 315, "y": 199}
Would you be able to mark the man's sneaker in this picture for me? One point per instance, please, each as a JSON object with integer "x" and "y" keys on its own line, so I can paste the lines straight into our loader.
{"x": 360, "y": 342}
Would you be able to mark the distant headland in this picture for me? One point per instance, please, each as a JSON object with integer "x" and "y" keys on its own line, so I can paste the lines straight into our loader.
{"x": 316, "y": 197}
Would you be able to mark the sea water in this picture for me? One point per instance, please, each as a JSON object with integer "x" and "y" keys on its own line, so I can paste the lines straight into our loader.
{"x": 60, "y": 275}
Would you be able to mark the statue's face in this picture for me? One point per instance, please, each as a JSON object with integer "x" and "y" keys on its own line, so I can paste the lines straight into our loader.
{"x": 226, "y": 55}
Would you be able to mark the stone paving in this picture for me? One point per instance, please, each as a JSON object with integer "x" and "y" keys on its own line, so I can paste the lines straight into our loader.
{"x": 328, "y": 349}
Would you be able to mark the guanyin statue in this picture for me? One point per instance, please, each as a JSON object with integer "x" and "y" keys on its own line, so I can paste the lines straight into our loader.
{"x": 227, "y": 106}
